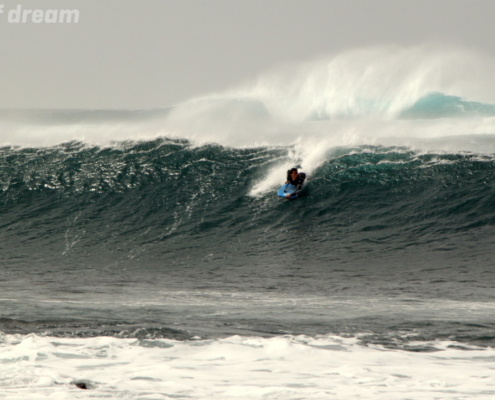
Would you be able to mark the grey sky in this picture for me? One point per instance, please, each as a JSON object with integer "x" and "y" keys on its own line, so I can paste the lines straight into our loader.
{"x": 154, "y": 53}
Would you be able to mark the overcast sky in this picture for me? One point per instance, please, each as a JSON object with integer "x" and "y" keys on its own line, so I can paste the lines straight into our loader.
{"x": 153, "y": 53}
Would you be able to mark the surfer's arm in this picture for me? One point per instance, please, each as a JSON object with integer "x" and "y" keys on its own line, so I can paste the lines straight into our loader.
{"x": 302, "y": 178}
{"x": 298, "y": 189}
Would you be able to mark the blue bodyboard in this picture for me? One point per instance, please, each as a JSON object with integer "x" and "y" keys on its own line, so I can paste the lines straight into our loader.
{"x": 286, "y": 189}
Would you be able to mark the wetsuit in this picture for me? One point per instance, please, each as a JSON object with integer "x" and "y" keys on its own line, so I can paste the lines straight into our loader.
{"x": 298, "y": 182}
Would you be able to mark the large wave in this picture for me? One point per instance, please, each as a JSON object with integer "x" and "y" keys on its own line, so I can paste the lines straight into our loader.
{"x": 74, "y": 204}
{"x": 414, "y": 124}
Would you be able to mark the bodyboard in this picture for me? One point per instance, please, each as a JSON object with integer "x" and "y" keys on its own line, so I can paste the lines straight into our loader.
{"x": 287, "y": 188}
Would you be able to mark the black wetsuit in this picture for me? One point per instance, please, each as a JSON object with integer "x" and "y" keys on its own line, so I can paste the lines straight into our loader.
{"x": 298, "y": 182}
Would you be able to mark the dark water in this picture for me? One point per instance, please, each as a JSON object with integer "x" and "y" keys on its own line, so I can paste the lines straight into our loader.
{"x": 162, "y": 239}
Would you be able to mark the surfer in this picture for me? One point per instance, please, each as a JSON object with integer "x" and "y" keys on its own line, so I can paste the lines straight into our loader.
{"x": 295, "y": 178}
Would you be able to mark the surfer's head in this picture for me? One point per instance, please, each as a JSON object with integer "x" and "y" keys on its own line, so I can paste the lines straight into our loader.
{"x": 292, "y": 174}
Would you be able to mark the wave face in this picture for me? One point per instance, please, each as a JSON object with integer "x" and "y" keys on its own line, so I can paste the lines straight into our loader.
{"x": 167, "y": 198}
{"x": 167, "y": 219}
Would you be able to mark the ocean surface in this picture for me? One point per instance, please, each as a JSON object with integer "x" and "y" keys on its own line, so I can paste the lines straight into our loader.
{"x": 145, "y": 254}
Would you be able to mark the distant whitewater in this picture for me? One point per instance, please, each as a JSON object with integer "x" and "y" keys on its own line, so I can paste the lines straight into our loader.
{"x": 146, "y": 255}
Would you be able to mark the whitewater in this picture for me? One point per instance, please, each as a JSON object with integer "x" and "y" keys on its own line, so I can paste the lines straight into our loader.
{"x": 145, "y": 254}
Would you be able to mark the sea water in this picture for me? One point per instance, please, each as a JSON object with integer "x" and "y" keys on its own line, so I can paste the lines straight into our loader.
{"x": 146, "y": 255}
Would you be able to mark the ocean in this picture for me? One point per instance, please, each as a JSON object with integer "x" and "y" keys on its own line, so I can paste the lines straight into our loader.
{"x": 145, "y": 254}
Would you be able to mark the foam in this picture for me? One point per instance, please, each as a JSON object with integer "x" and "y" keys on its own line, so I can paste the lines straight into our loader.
{"x": 35, "y": 367}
